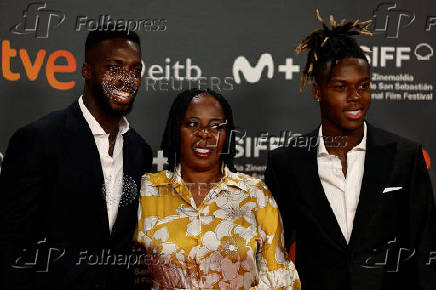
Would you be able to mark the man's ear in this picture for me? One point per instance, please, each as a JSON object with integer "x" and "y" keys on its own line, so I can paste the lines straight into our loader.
{"x": 316, "y": 92}
{"x": 86, "y": 71}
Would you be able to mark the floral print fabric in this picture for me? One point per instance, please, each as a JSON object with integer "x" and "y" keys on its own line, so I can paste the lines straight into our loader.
{"x": 232, "y": 240}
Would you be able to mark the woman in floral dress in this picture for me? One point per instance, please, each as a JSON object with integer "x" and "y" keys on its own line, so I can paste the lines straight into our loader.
{"x": 207, "y": 226}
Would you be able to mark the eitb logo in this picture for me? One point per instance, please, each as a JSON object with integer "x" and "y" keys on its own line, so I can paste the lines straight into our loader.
{"x": 37, "y": 19}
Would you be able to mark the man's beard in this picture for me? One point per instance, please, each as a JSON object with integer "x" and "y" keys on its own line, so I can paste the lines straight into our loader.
{"x": 103, "y": 102}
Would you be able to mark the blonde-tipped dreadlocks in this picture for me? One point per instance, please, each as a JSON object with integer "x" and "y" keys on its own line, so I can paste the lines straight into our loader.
{"x": 332, "y": 43}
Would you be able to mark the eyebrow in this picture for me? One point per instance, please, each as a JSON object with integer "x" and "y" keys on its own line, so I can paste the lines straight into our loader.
{"x": 345, "y": 81}
{"x": 112, "y": 59}
{"x": 118, "y": 61}
{"x": 213, "y": 119}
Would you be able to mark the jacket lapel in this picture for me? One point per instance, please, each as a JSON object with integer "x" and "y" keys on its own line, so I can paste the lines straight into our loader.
{"x": 379, "y": 157}
{"x": 313, "y": 200}
{"x": 83, "y": 143}
{"x": 378, "y": 164}
{"x": 128, "y": 207}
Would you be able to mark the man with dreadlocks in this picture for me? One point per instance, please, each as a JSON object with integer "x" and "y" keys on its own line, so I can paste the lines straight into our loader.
{"x": 359, "y": 202}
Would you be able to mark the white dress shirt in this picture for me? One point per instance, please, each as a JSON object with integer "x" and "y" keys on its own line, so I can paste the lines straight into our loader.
{"x": 112, "y": 166}
{"x": 342, "y": 193}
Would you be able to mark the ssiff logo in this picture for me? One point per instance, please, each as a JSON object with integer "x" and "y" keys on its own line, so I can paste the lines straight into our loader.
{"x": 38, "y": 20}
{"x": 423, "y": 51}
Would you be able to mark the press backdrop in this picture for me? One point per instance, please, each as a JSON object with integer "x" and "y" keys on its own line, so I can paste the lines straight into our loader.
{"x": 243, "y": 49}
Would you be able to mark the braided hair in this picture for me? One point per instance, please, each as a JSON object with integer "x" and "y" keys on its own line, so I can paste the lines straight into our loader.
{"x": 330, "y": 44}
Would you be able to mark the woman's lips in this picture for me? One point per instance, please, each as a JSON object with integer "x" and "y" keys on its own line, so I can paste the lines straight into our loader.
{"x": 353, "y": 115}
{"x": 202, "y": 152}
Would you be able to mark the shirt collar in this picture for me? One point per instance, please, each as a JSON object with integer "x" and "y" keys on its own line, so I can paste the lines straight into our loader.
{"x": 322, "y": 151}
{"x": 234, "y": 179}
{"x": 95, "y": 126}
{"x": 229, "y": 179}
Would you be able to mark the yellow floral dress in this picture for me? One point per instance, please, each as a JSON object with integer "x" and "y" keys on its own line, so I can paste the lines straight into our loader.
{"x": 232, "y": 240}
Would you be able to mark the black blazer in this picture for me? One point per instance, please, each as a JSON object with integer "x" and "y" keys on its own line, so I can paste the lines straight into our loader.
{"x": 383, "y": 224}
{"x": 52, "y": 201}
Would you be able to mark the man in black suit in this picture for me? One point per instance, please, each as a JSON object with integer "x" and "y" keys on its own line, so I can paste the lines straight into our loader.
{"x": 70, "y": 181}
{"x": 358, "y": 199}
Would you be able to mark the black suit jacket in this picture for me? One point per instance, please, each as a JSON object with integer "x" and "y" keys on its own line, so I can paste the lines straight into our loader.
{"x": 388, "y": 227}
{"x": 53, "y": 204}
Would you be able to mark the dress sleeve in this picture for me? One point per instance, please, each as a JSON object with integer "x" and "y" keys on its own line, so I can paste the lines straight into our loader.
{"x": 275, "y": 269}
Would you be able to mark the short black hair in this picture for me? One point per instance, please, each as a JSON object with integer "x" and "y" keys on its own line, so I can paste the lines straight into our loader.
{"x": 109, "y": 31}
{"x": 171, "y": 136}
{"x": 331, "y": 44}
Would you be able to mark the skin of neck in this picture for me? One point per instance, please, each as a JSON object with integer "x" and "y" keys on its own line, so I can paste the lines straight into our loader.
{"x": 108, "y": 122}
{"x": 190, "y": 175}
{"x": 200, "y": 182}
{"x": 352, "y": 137}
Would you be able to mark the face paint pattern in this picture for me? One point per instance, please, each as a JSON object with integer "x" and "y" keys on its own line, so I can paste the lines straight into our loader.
{"x": 120, "y": 85}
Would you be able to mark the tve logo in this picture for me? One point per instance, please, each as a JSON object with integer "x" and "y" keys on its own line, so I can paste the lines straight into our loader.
{"x": 38, "y": 20}
{"x": 32, "y": 68}
{"x": 252, "y": 74}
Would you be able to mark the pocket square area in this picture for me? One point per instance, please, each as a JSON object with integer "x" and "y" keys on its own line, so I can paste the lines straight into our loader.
{"x": 388, "y": 189}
